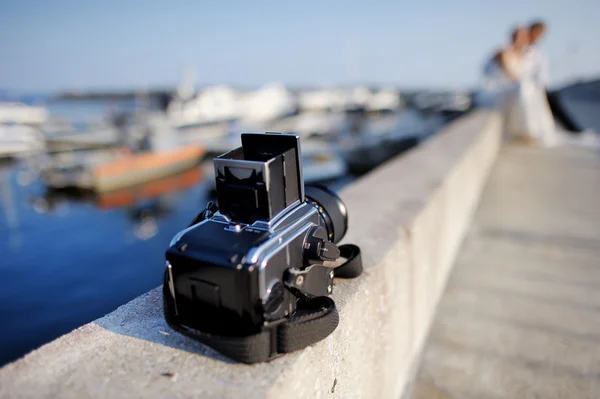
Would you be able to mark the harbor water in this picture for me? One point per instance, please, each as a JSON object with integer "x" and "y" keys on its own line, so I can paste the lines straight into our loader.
{"x": 67, "y": 260}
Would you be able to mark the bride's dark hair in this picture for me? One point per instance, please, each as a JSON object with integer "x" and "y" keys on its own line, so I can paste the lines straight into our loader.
{"x": 513, "y": 33}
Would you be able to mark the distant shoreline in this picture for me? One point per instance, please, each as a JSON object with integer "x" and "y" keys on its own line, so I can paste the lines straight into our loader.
{"x": 111, "y": 95}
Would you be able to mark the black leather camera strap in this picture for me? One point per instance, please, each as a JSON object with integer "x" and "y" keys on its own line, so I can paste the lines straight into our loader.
{"x": 314, "y": 319}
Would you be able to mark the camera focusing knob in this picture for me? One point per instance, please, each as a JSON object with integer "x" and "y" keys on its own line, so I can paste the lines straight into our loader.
{"x": 318, "y": 249}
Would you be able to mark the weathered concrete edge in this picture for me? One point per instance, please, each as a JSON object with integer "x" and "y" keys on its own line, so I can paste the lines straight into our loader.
{"x": 481, "y": 155}
{"x": 409, "y": 232}
{"x": 389, "y": 314}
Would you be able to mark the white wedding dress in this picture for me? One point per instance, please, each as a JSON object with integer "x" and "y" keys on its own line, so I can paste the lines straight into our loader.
{"x": 523, "y": 102}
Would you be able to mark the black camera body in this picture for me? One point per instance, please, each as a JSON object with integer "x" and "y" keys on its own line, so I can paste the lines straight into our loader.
{"x": 259, "y": 260}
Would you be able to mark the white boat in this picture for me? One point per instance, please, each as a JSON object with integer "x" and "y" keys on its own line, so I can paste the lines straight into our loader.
{"x": 220, "y": 110}
{"x": 310, "y": 124}
{"x": 358, "y": 98}
{"x": 253, "y": 111}
{"x": 268, "y": 103}
{"x": 20, "y": 140}
{"x": 95, "y": 136}
{"x": 203, "y": 133}
{"x": 19, "y": 113}
{"x": 385, "y": 100}
{"x": 323, "y": 100}
{"x": 229, "y": 137}
{"x": 334, "y": 100}
{"x": 212, "y": 105}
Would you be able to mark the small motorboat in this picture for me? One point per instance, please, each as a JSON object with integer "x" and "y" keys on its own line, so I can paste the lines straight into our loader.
{"x": 130, "y": 196}
{"x": 123, "y": 198}
{"x": 136, "y": 169}
{"x": 144, "y": 204}
{"x": 156, "y": 154}
{"x": 113, "y": 169}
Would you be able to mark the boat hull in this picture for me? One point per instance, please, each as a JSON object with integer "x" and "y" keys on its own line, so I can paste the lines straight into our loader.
{"x": 127, "y": 197}
{"x": 143, "y": 168}
{"x": 125, "y": 172}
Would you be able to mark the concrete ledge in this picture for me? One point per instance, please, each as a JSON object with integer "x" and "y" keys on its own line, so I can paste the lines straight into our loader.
{"x": 409, "y": 217}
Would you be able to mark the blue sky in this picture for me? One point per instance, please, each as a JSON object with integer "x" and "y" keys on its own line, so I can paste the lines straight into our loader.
{"x": 56, "y": 44}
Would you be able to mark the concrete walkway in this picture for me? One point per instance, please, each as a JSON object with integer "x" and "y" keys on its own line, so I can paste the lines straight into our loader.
{"x": 520, "y": 317}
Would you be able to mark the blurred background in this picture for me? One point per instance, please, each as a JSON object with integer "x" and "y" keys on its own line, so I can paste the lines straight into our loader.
{"x": 111, "y": 112}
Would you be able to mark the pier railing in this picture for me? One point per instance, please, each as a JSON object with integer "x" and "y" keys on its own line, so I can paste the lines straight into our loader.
{"x": 409, "y": 216}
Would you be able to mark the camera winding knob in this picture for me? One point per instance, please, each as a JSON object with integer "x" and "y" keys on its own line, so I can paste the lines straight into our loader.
{"x": 318, "y": 249}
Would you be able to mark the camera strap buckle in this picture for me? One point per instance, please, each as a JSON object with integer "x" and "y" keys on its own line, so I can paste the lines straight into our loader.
{"x": 315, "y": 280}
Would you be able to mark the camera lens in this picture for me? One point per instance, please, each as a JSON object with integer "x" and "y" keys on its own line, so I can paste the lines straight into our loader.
{"x": 334, "y": 212}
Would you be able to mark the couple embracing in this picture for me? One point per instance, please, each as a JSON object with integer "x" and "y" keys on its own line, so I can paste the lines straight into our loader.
{"x": 514, "y": 81}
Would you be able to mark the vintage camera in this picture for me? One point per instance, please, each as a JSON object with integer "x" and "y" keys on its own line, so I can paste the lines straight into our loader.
{"x": 259, "y": 260}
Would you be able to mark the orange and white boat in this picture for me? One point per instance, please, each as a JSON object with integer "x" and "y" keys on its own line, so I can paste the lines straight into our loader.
{"x": 119, "y": 168}
{"x": 130, "y": 196}
{"x": 159, "y": 154}
{"x": 136, "y": 169}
